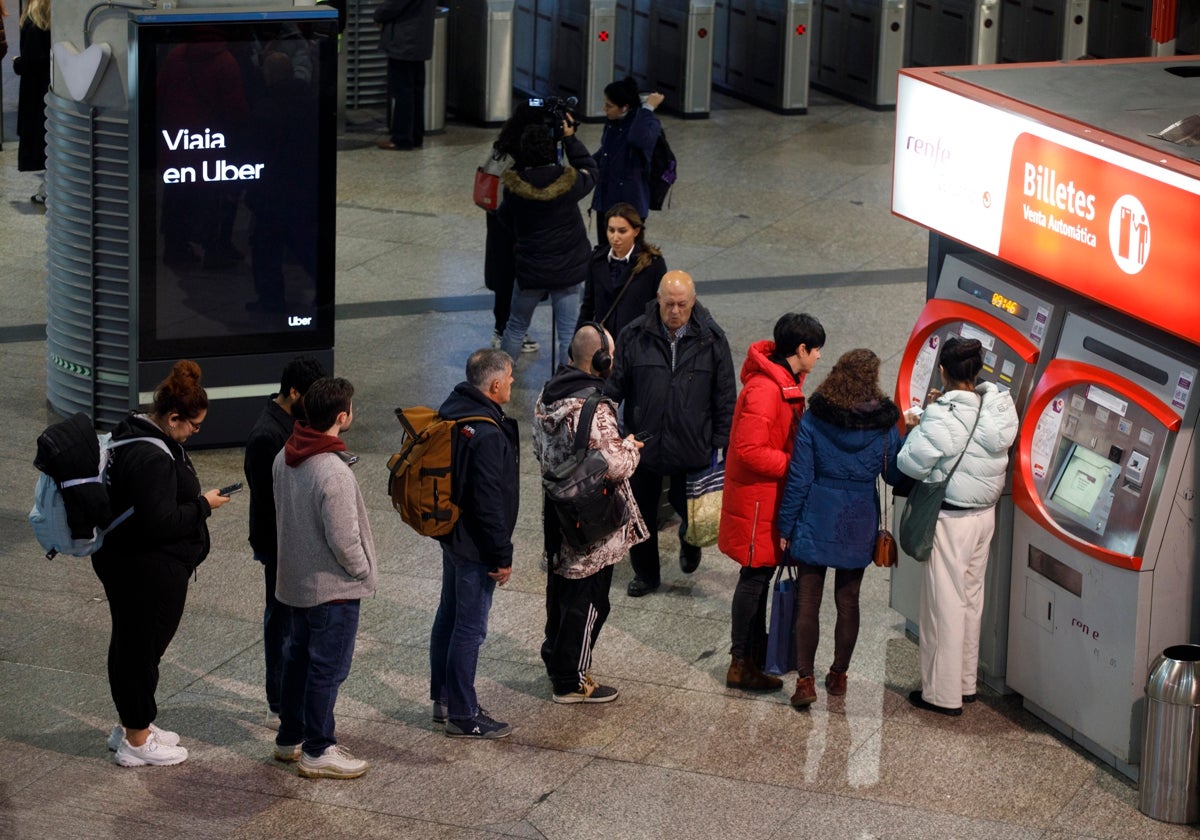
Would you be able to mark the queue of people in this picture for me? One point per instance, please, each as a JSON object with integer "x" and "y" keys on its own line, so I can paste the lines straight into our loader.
{"x": 648, "y": 382}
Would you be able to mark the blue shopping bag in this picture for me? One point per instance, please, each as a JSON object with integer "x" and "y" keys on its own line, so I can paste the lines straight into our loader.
{"x": 781, "y": 637}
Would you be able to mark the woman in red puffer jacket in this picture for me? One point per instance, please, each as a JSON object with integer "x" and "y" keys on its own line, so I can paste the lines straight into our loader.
{"x": 756, "y": 465}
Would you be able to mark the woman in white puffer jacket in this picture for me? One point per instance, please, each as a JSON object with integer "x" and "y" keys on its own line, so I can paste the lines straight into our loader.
{"x": 952, "y": 585}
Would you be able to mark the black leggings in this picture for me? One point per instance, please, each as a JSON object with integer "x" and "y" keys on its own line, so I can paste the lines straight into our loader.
{"x": 749, "y": 624}
{"x": 810, "y": 586}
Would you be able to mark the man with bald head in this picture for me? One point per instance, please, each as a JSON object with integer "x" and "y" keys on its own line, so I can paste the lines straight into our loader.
{"x": 578, "y": 577}
{"x": 674, "y": 372}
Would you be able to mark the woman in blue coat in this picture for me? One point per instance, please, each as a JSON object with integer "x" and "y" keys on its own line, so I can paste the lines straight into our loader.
{"x": 847, "y": 438}
{"x": 630, "y": 132}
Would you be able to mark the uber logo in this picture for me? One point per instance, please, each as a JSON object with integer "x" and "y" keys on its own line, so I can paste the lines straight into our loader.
{"x": 298, "y": 321}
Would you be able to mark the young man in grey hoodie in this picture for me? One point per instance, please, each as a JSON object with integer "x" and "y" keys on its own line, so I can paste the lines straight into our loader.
{"x": 326, "y": 565}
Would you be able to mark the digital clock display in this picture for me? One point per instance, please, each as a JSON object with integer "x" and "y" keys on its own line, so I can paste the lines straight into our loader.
{"x": 1009, "y": 305}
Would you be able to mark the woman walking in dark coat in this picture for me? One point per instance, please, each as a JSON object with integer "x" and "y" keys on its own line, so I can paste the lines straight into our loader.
{"x": 33, "y": 66}
{"x": 623, "y": 275}
{"x": 146, "y": 561}
{"x": 830, "y": 509}
{"x": 628, "y": 140}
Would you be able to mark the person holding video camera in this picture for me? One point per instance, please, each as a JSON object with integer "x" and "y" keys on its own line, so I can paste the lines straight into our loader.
{"x": 540, "y": 207}
{"x": 623, "y": 158}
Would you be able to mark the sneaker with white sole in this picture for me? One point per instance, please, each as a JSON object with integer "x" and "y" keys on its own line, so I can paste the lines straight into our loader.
{"x": 165, "y": 737}
{"x": 153, "y": 752}
{"x": 496, "y": 339}
{"x": 528, "y": 345}
{"x": 590, "y": 692}
{"x": 480, "y": 726}
{"x": 287, "y": 752}
{"x": 334, "y": 763}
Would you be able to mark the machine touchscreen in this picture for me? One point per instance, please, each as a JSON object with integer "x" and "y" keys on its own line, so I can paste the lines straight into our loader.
{"x": 1082, "y": 482}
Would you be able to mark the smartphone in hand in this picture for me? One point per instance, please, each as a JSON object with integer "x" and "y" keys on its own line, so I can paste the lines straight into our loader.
{"x": 230, "y": 489}
{"x": 643, "y": 436}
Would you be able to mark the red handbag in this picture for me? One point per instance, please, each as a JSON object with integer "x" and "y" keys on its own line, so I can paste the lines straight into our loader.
{"x": 487, "y": 181}
{"x": 487, "y": 189}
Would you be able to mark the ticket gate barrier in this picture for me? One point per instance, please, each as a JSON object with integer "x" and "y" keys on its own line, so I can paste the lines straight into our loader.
{"x": 480, "y": 76}
{"x": 1104, "y": 572}
{"x": 1120, "y": 28}
{"x": 951, "y": 32}
{"x": 1042, "y": 30}
{"x": 435, "y": 76}
{"x": 858, "y": 49}
{"x": 631, "y": 42}
{"x": 565, "y": 48}
{"x": 681, "y": 55}
{"x": 761, "y": 52}
{"x": 1016, "y": 318}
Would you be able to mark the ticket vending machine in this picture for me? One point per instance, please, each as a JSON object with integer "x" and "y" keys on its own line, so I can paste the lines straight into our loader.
{"x": 1015, "y": 318}
{"x": 1104, "y": 483}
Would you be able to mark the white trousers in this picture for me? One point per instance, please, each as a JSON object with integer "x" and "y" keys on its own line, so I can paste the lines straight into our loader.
{"x": 952, "y": 605}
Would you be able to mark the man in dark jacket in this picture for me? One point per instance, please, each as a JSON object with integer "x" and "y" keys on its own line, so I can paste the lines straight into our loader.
{"x": 406, "y": 37}
{"x": 477, "y": 554}
{"x": 674, "y": 372}
{"x": 541, "y": 208}
{"x": 270, "y": 433}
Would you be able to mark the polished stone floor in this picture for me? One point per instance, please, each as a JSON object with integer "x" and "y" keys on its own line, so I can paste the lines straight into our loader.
{"x": 771, "y": 214}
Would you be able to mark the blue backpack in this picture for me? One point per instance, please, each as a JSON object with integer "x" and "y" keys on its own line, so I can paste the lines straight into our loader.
{"x": 76, "y": 527}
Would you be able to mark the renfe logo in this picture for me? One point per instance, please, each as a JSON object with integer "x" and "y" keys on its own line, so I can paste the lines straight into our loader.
{"x": 928, "y": 149}
{"x": 1129, "y": 234}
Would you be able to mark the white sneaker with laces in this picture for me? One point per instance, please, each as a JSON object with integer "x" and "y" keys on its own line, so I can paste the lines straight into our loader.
{"x": 334, "y": 763}
{"x": 165, "y": 737}
{"x": 153, "y": 752}
{"x": 528, "y": 345}
{"x": 496, "y": 338}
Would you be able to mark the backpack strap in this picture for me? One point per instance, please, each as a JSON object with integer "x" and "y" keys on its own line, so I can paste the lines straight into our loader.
{"x": 584, "y": 430}
{"x": 113, "y": 444}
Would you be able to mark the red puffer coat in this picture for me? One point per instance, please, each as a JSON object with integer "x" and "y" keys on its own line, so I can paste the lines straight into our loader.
{"x": 756, "y": 462}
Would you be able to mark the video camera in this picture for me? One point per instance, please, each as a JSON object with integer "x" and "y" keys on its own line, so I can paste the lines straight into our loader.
{"x": 557, "y": 110}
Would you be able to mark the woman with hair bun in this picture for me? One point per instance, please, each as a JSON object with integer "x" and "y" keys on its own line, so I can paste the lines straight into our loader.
{"x": 830, "y": 510}
{"x": 146, "y": 561}
{"x": 623, "y": 275}
{"x": 978, "y": 422}
{"x": 630, "y": 132}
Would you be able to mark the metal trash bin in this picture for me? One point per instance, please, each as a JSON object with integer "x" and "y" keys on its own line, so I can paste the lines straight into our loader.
{"x": 1169, "y": 780}
{"x": 435, "y": 76}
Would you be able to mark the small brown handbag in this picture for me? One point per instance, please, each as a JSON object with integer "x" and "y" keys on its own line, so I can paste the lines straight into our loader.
{"x": 885, "y": 544}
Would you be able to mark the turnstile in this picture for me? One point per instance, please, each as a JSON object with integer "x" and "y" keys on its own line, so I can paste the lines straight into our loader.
{"x": 565, "y": 48}
{"x": 949, "y": 32}
{"x": 1042, "y": 30}
{"x": 858, "y": 49}
{"x": 681, "y": 55}
{"x": 480, "y": 76}
{"x": 1119, "y": 28}
{"x": 761, "y": 52}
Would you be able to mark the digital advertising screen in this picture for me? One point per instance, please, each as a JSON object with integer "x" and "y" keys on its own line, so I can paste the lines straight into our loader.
{"x": 234, "y": 162}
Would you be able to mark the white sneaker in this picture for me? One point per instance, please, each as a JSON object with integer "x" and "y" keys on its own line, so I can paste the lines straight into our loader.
{"x": 334, "y": 763}
{"x": 165, "y": 737}
{"x": 528, "y": 345}
{"x": 153, "y": 752}
{"x": 496, "y": 339}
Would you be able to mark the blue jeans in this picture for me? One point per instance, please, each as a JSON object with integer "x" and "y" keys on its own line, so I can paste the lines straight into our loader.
{"x": 459, "y": 629}
{"x": 315, "y": 666}
{"x": 524, "y": 301}
{"x": 277, "y": 625}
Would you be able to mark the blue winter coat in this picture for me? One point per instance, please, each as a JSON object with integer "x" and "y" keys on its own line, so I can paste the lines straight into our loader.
{"x": 624, "y": 161}
{"x": 830, "y": 507}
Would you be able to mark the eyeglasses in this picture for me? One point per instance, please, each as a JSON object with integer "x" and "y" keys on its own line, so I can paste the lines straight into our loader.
{"x": 195, "y": 426}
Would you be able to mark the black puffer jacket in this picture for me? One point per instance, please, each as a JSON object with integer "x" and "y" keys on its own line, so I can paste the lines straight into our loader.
{"x": 541, "y": 208}
{"x": 170, "y": 517}
{"x": 407, "y": 28}
{"x": 687, "y": 410}
{"x": 487, "y": 479}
